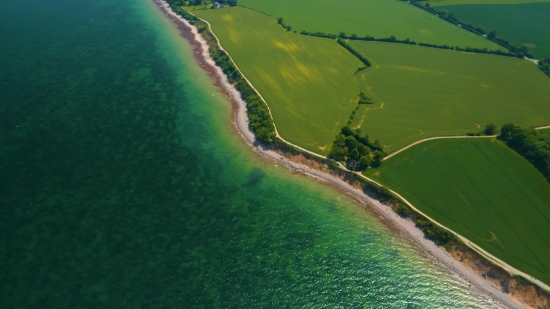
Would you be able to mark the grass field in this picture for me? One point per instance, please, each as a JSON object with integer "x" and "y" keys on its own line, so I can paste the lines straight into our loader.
{"x": 521, "y": 24}
{"x": 424, "y": 92}
{"x": 378, "y": 18}
{"x": 308, "y": 82}
{"x": 482, "y": 190}
{"x": 455, "y": 2}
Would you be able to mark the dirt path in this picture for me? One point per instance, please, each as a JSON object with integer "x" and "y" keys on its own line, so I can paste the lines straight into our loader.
{"x": 438, "y": 254}
{"x": 432, "y": 138}
{"x": 447, "y": 137}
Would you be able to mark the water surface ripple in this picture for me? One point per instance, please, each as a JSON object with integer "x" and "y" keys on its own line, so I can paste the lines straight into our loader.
{"x": 122, "y": 186}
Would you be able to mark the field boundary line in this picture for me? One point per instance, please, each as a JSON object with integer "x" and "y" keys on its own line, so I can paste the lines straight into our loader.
{"x": 259, "y": 94}
{"x": 468, "y": 243}
{"x": 447, "y": 137}
{"x": 488, "y": 256}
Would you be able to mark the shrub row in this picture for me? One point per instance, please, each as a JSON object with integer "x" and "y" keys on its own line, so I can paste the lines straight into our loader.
{"x": 519, "y": 52}
{"x": 363, "y": 99}
{"x": 352, "y": 116}
{"x": 357, "y": 54}
{"x": 260, "y": 121}
{"x": 473, "y": 50}
{"x": 391, "y": 39}
{"x": 514, "y": 51}
{"x": 319, "y": 34}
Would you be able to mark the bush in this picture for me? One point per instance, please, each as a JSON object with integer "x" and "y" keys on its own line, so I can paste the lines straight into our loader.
{"x": 529, "y": 143}
{"x": 433, "y": 232}
{"x": 491, "y": 129}
{"x": 352, "y": 145}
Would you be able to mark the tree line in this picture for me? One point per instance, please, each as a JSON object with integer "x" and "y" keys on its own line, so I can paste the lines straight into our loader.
{"x": 391, "y": 39}
{"x": 260, "y": 121}
{"x": 531, "y": 144}
{"x": 363, "y": 99}
{"x": 356, "y": 149}
{"x": 474, "y": 50}
{"x": 544, "y": 66}
{"x": 519, "y": 52}
{"x": 357, "y": 54}
{"x": 515, "y": 52}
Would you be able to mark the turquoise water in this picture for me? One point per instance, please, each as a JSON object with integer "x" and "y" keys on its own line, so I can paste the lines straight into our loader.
{"x": 122, "y": 185}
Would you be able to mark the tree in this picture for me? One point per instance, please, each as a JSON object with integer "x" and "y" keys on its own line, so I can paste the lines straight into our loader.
{"x": 354, "y": 36}
{"x": 342, "y": 34}
{"x": 443, "y": 13}
{"x": 363, "y": 150}
{"x": 378, "y": 157}
{"x": 232, "y": 2}
{"x": 347, "y": 131}
{"x": 280, "y": 20}
{"x": 378, "y": 145}
{"x": 354, "y": 154}
{"x": 491, "y": 129}
{"x": 364, "y": 162}
{"x": 339, "y": 151}
{"x": 492, "y": 34}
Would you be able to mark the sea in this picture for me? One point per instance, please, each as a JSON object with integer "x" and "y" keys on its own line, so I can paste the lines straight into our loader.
{"x": 123, "y": 184}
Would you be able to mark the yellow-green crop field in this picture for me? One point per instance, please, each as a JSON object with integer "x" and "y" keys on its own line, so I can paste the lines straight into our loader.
{"x": 482, "y": 190}
{"x": 308, "y": 82}
{"x": 425, "y": 92}
{"x": 377, "y": 18}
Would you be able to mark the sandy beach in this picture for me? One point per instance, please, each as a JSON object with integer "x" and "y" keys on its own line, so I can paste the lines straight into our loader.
{"x": 404, "y": 227}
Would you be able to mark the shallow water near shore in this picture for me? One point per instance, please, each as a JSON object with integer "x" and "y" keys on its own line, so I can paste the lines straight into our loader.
{"x": 122, "y": 185}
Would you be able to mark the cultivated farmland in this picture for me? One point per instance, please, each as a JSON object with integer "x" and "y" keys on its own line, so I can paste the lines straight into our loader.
{"x": 455, "y": 2}
{"x": 482, "y": 190}
{"x": 308, "y": 82}
{"x": 522, "y": 24}
{"x": 424, "y": 92}
{"x": 377, "y": 18}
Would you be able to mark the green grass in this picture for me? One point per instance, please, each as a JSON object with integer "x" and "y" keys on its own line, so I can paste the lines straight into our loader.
{"x": 455, "y": 2}
{"x": 521, "y": 24}
{"x": 482, "y": 190}
{"x": 424, "y": 92}
{"x": 308, "y": 82}
{"x": 378, "y": 18}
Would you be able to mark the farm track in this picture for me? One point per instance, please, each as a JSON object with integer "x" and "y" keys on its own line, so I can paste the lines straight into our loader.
{"x": 447, "y": 137}
{"x": 513, "y": 271}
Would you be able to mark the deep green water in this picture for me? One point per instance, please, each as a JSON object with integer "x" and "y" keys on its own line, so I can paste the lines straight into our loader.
{"x": 121, "y": 185}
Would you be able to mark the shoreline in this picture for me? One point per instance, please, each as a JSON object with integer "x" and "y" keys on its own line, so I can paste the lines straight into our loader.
{"x": 385, "y": 213}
